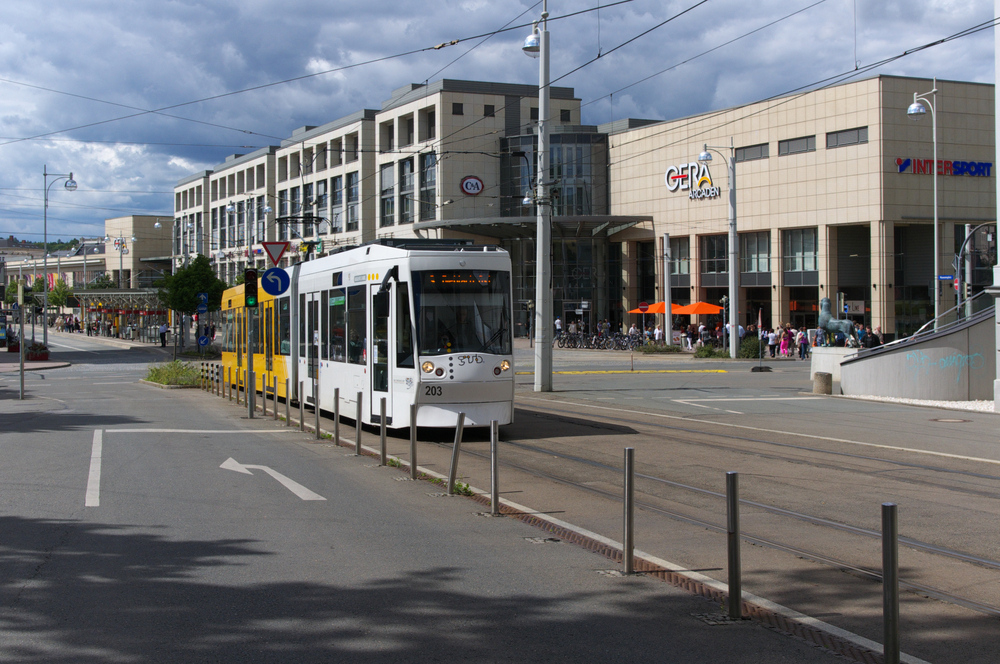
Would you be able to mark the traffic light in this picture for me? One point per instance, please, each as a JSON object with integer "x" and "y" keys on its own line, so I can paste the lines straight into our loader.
{"x": 968, "y": 291}
{"x": 250, "y": 288}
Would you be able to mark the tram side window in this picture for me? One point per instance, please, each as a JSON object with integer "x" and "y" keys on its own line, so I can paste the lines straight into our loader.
{"x": 228, "y": 335}
{"x": 338, "y": 324}
{"x": 302, "y": 325}
{"x": 404, "y": 327}
{"x": 283, "y": 332}
{"x": 356, "y": 325}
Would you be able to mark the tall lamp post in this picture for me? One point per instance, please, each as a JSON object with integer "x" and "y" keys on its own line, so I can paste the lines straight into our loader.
{"x": 70, "y": 185}
{"x": 537, "y": 46}
{"x": 734, "y": 250}
{"x": 122, "y": 248}
{"x": 921, "y": 103}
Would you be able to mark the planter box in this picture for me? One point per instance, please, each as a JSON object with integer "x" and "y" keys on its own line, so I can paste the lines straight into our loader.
{"x": 16, "y": 348}
{"x": 36, "y": 355}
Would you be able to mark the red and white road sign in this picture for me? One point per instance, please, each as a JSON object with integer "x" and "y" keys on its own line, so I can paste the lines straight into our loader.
{"x": 275, "y": 250}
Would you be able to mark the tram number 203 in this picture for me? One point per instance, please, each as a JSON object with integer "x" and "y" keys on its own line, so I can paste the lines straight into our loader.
{"x": 433, "y": 390}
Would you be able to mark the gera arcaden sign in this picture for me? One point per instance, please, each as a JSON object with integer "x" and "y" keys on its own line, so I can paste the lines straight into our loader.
{"x": 694, "y": 178}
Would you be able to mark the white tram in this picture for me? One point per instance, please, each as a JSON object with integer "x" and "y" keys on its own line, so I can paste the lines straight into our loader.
{"x": 409, "y": 321}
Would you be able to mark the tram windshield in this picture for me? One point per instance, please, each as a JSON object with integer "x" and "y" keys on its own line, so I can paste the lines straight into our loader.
{"x": 463, "y": 311}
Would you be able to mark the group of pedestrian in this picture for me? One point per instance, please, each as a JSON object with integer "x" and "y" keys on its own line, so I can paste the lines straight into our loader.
{"x": 786, "y": 341}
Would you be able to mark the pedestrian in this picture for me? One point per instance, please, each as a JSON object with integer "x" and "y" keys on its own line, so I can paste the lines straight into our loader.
{"x": 772, "y": 340}
{"x": 163, "y": 335}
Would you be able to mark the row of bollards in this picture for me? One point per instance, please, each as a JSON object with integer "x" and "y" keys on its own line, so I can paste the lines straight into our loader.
{"x": 890, "y": 555}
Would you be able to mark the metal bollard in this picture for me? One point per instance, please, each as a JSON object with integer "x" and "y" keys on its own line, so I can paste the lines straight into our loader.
{"x": 229, "y": 384}
{"x": 413, "y": 441}
{"x": 319, "y": 434}
{"x": 336, "y": 416}
{"x": 494, "y": 468}
{"x": 274, "y": 380}
{"x": 628, "y": 542}
{"x": 890, "y": 584}
{"x": 237, "y": 386}
{"x": 288, "y": 405}
{"x": 381, "y": 432}
{"x": 357, "y": 428}
{"x": 459, "y": 427}
{"x": 733, "y": 541}
{"x": 302, "y": 406}
{"x": 263, "y": 394}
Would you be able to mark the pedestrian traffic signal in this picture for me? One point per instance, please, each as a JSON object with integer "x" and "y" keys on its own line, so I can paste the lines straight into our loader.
{"x": 250, "y": 288}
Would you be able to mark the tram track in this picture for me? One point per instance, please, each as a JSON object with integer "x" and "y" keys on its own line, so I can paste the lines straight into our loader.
{"x": 807, "y": 554}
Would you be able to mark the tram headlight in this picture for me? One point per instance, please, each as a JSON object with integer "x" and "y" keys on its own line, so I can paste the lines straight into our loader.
{"x": 504, "y": 365}
{"x": 427, "y": 367}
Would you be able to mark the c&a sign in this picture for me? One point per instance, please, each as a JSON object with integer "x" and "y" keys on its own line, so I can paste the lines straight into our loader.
{"x": 694, "y": 178}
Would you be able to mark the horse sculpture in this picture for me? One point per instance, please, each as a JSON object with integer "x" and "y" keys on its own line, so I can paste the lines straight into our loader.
{"x": 831, "y": 326}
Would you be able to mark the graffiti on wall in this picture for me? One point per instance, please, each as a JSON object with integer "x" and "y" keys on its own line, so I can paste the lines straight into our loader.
{"x": 921, "y": 364}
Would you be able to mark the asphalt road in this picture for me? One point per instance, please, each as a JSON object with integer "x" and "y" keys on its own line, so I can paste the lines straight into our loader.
{"x": 138, "y": 524}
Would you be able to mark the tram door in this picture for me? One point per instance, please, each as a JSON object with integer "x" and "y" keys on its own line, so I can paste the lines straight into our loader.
{"x": 311, "y": 373}
{"x": 380, "y": 354}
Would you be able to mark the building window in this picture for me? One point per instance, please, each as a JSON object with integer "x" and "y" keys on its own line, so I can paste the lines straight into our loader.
{"x": 534, "y": 113}
{"x": 564, "y": 115}
{"x": 489, "y": 111}
{"x": 387, "y": 207}
{"x": 336, "y": 204}
{"x": 714, "y": 254}
{"x": 797, "y": 145}
{"x": 755, "y": 252}
{"x": 752, "y": 152}
{"x": 428, "y": 186}
{"x": 799, "y": 250}
{"x": 215, "y": 233}
{"x": 457, "y": 109}
{"x": 838, "y": 139}
{"x": 406, "y": 191}
{"x": 680, "y": 255}
{"x": 352, "y": 201}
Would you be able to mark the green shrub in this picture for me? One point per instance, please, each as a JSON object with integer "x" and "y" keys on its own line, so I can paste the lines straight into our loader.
{"x": 654, "y": 349}
{"x": 751, "y": 348}
{"x": 708, "y": 351}
{"x": 173, "y": 373}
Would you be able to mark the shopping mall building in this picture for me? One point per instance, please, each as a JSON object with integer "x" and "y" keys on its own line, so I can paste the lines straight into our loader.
{"x": 834, "y": 196}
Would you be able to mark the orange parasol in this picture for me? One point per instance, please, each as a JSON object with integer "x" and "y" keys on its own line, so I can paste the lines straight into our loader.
{"x": 698, "y": 308}
{"x": 658, "y": 308}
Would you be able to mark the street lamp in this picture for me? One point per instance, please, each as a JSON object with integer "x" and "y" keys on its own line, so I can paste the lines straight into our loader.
{"x": 536, "y": 45}
{"x": 122, "y": 248}
{"x": 734, "y": 251}
{"x": 70, "y": 185}
{"x": 921, "y": 103}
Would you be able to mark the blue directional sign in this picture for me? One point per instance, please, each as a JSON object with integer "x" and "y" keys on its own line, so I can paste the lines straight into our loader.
{"x": 202, "y": 308}
{"x": 203, "y": 340}
{"x": 946, "y": 277}
{"x": 203, "y": 298}
{"x": 275, "y": 281}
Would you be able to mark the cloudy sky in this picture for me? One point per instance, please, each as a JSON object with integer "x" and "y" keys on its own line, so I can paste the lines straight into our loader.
{"x": 79, "y": 82}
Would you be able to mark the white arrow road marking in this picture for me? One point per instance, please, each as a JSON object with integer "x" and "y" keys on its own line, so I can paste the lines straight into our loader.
{"x": 93, "y": 498}
{"x": 291, "y": 485}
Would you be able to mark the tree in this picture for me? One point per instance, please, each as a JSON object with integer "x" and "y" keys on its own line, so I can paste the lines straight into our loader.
{"x": 59, "y": 296}
{"x": 103, "y": 281}
{"x": 181, "y": 289}
{"x": 10, "y": 295}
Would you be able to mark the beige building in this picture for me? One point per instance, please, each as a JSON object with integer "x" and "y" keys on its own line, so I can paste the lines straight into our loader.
{"x": 834, "y": 195}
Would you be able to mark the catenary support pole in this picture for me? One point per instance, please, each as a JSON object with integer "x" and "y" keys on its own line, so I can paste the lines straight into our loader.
{"x": 628, "y": 542}
{"x": 733, "y": 541}
{"x": 890, "y": 584}
{"x": 453, "y": 472}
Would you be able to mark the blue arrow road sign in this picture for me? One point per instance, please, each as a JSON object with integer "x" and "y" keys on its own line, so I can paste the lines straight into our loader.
{"x": 275, "y": 281}
{"x": 203, "y": 340}
{"x": 203, "y": 298}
